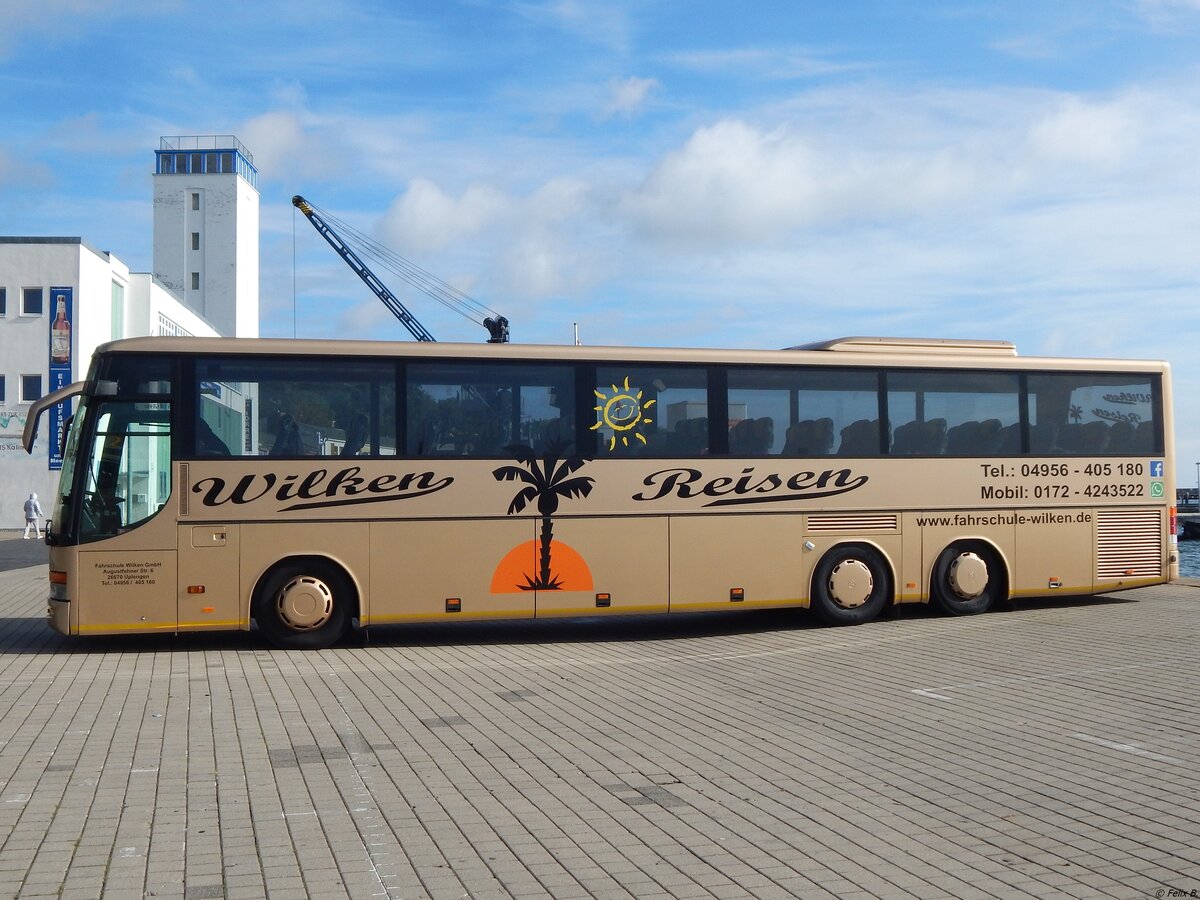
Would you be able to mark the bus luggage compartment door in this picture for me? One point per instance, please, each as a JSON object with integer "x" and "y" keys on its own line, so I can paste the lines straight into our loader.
{"x": 209, "y": 594}
{"x": 596, "y": 566}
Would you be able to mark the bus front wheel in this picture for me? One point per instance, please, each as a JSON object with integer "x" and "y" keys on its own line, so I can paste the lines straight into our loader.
{"x": 304, "y": 605}
{"x": 850, "y": 585}
{"x": 967, "y": 579}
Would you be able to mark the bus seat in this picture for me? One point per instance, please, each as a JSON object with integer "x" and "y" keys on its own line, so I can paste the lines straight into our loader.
{"x": 921, "y": 438}
{"x": 692, "y": 436}
{"x": 860, "y": 438}
{"x": 1043, "y": 439}
{"x": 963, "y": 439}
{"x": 1143, "y": 437}
{"x": 1008, "y": 442}
{"x": 1121, "y": 437}
{"x": 741, "y": 438}
{"x": 764, "y": 435}
{"x": 991, "y": 437}
{"x": 1094, "y": 437}
{"x": 810, "y": 437}
{"x": 976, "y": 438}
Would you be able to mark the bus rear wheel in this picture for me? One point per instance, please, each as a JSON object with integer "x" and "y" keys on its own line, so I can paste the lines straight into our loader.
{"x": 304, "y": 605}
{"x": 967, "y": 579}
{"x": 850, "y": 585}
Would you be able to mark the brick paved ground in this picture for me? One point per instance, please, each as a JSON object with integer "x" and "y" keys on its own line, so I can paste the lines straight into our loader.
{"x": 1047, "y": 751}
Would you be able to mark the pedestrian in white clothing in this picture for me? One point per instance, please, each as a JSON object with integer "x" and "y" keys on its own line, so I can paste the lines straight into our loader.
{"x": 33, "y": 516}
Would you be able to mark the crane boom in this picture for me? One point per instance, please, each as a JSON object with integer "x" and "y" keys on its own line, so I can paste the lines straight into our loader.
{"x": 398, "y": 309}
{"x": 497, "y": 326}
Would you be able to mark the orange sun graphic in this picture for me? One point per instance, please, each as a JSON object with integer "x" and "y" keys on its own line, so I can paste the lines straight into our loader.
{"x": 516, "y": 571}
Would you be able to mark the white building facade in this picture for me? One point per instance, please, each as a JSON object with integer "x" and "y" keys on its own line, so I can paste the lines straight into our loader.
{"x": 60, "y": 299}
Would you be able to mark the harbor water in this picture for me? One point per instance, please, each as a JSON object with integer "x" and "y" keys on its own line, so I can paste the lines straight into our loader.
{"x": 1189, "y": 559}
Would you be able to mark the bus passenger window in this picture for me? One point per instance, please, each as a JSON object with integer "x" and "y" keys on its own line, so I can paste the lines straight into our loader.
{"x": 1082, "y": 414}
{"x": 650, "y": 411}
{"x": 293, "y": 407}
{"x": 955, "y": 413}
{"x": 479, "y": 409}
{"x": 803, "y": 412}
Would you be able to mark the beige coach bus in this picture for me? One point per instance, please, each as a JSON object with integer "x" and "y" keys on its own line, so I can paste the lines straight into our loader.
{"x": 209, "y": 483}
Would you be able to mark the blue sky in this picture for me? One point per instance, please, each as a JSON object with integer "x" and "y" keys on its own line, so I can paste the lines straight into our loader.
{"x": 660, "y": 172}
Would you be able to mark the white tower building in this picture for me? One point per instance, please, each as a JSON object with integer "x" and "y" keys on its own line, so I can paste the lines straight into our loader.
{"x": 206, "y": 229}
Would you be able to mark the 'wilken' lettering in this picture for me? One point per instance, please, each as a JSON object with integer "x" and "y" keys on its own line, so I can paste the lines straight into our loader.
{"x": 320, "y": 488}
{"x": 749, "y": 487}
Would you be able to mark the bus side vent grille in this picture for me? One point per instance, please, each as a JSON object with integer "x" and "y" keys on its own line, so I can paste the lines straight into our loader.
{"x": 1128, "y": 543}
{"x": 183, "y": 489}
{"x": 852, "y": 523}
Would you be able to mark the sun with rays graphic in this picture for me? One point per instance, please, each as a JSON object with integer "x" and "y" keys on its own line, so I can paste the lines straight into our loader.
{"x": 624, "y": 412}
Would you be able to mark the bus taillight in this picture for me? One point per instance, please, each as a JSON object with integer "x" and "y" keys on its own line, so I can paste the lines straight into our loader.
{"x": 58, "y": 585}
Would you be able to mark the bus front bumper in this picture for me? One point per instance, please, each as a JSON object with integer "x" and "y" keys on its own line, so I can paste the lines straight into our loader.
{"x": 59, "y": 614}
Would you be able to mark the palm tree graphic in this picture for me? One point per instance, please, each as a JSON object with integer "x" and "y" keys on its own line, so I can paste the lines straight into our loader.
{"x": 1076, "y": 413}
{"x": 548, "y": 481}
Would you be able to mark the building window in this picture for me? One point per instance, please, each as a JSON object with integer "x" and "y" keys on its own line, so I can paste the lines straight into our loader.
{"x": 169, "y": 327}
{"x": 33, "y": 301}
{"x": 195, "y": 201}
{"x": 195, "y": 281}
{"x": 31, "y": 388}
{"x": 195, "y": 240}
{"x": 3, "y": 301}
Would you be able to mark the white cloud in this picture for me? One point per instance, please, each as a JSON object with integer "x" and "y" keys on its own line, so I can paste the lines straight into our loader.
{"x": 1092, "y": 133}
{"x": 628, "y": 94}
{"x": 424, "y": 218}
{"x": 729, "y": 182}
{"x": 294, "y": 147}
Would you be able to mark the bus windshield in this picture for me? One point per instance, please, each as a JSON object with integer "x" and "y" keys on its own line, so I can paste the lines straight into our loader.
{"x": 128, "y": 477}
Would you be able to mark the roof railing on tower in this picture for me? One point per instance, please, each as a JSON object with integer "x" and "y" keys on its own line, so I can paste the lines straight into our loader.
{"x": 205, "y": 142}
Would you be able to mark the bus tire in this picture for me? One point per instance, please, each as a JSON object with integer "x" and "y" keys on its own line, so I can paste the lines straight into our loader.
{"x": 850, "y": 585}
{"x": 304, "y": 604}
{"x": 967, "y": 579}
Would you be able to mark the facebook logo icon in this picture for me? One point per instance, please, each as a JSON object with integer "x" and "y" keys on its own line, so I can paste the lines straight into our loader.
{"x": 1156, "y": 468}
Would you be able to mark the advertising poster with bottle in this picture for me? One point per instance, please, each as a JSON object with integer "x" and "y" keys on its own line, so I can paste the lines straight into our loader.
{"x": 61, "y": 308}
